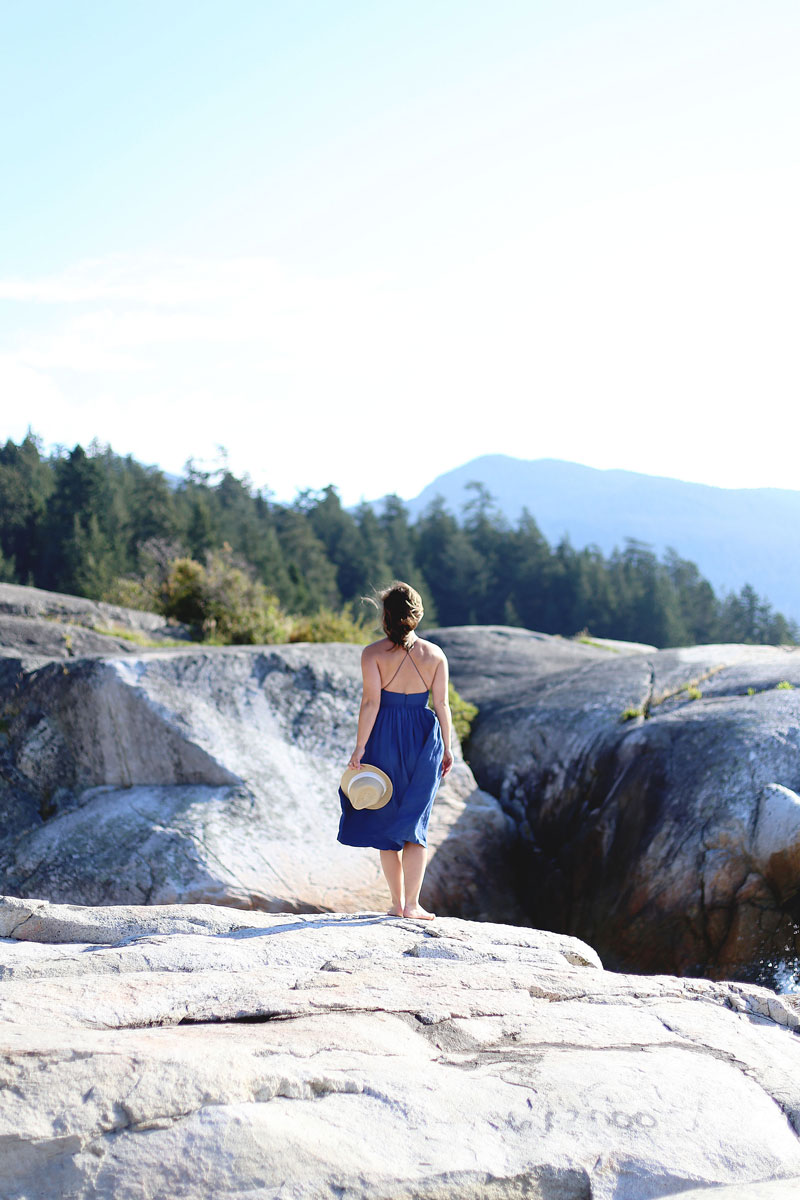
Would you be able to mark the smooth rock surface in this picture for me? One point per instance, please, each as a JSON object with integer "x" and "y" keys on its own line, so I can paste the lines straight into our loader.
{"x": 670, "y": 841}
{"x": 211, "y": 775}
{"x": 205, "y": 1052}
{"x": 778, "y": 1189}
{"x": 36, "y": 603}
{"x": 493, "y": 664}
{"x": 42, "y": 638}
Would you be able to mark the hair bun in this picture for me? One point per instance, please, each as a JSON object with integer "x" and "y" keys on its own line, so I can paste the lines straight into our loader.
{"x": 402, "y": 612}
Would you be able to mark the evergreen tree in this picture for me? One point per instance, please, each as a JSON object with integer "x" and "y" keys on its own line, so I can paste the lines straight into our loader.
{"x": 199, "y": 528}
{"x": 151, "y": 509}
{"x": 562, "y": 611}
{"x": 311, "y": 575}
{"x": 400, "y": 540}
{"x": 698, "y": 605}
{"x": 529, "y": 579}
{"x": 268, "y": 559}
{"x": 648, "y": 608}
{"x": 376, "y": 551}
{"x": 597, "y": 599}
{"x": 488, "y": 534}
{"x": 7, "y": 571}
{"x": 341, "y": 536}
{"x": 745, "y": 617}
{"x": 96, "y": 523}
{"x": 77, "y": 555}
{"x": 449, "y": 565}
{"x": 781, "y": 632}
{"x": 244, "y": 520}
{"x": 25, "y": 484}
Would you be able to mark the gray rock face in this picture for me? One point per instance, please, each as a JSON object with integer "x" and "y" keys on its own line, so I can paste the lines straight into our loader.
{"x": 41, "y": 638}
{"x": 493, "y": 664}
{"x": 196, "y": 1051}
{"x": 669, "y": 840}
{"x": 211, "y": 775}
{"x": 35, "y": 603}
{"x": 36, "y": 626}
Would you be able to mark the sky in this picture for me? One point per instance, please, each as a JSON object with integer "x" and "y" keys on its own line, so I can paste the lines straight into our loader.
{"x": 364, "y": 243}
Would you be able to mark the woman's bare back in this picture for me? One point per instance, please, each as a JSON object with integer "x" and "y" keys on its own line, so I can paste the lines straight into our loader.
{"x": 406, "y": 672}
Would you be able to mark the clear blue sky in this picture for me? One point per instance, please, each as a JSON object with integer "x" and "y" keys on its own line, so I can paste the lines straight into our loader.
{"x": 363, "y": 243}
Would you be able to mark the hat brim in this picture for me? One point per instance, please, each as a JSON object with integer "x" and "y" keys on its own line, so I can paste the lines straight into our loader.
{"x": 350, "y": 774}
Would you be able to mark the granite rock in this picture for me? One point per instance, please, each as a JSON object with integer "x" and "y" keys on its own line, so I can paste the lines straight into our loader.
{"x": 210, "y": 775}
{"x": 199, "y": 1051}
{"x": 656, "y": 795}
{"x": 37, "y": 604}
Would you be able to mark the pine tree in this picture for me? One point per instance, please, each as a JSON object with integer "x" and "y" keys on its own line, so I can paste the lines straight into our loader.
{"x": 77, "y": 554}
{"x": 312, "y": 576}
{"x": 452, "y": 569}
{"x": 344, "y": 545}
{"x": 529, "y": 578}
{"x": 488, "y": 534}
{"x": 25, "y": 485}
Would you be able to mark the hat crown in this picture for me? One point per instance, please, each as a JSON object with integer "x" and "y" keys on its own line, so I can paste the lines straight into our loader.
{"x": 367, "y": 788}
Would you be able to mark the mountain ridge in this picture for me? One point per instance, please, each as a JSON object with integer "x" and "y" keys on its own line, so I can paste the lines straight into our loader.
{"x": 734, "y": 535}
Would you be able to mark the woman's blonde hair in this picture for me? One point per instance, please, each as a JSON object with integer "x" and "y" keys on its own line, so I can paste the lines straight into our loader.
{"x": 402, "y": 612}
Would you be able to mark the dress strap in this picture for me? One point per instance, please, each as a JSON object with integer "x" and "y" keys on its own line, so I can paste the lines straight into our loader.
{"x": 385, "y": 686}
{"x": 416, "y": 668}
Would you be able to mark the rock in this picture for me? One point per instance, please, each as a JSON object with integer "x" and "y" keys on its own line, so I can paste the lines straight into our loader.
{"x": 200, "y": 1051}
{"x": 491, "y": 662}
{"x": 35, "y": 603}
{"x": 211, "y": 775}
{"x": 656, "y": 795}
{"x": 776, "y": 841}
{"x": 42, "y": 638}
{"x": 778, "y": 1189}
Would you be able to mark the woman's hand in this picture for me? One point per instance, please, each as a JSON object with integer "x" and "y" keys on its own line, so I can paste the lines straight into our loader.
{"x": 355, "y": 758}
{"x": 447, "y": 762}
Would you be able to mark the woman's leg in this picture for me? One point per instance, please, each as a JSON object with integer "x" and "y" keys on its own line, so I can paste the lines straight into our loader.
{"x": 414, "y": 859}
{"x": 393, "y": 870}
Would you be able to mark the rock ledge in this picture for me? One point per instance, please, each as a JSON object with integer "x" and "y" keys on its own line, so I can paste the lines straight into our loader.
{"x": 197, "y": 1051}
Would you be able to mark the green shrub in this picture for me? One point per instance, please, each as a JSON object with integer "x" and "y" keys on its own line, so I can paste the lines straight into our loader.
{"x": 8, "y": 572}
{"x": 693, "y": 692}
{"x": 133, "y": 593}
{"x": 184, "y": 593}
{"x": 463, "y": 714}
{"x": 586, "y": 640}
{"x": 222, "y": 603}
{"x": 630, "y": 714}
{"x": 784, "y": 686}
{"x": 329, "y": 626}
{"x": 137, "y": 637}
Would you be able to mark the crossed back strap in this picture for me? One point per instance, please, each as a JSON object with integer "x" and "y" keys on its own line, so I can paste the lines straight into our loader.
{"x": 416, "y": 668}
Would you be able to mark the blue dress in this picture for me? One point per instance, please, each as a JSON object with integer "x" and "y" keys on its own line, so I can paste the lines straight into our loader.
{"x": 406, "y": 742}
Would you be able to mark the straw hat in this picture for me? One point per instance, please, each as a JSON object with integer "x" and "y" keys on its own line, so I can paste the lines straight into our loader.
{"x": 369, "y": 787}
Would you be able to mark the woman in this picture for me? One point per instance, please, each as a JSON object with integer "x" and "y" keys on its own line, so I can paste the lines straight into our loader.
{"x": 398, "y": 733}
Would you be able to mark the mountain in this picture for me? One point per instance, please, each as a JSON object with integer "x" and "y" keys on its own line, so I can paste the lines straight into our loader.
{"x": 735, "y": 535}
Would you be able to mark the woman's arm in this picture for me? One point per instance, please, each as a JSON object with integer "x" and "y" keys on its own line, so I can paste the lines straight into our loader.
{"x": 370, "y": 703}
{"x": 441, "y": 706}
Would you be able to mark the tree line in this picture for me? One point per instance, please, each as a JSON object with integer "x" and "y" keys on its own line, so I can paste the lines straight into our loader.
{"x": 96, "y": 524}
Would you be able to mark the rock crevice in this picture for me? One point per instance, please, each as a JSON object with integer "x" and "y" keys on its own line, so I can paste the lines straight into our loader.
{"x": 672, "y": 842}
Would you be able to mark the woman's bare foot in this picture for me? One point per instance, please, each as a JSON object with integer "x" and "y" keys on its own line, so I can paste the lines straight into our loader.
{"x": 395, "y": 911}
{"x": 415, "y": 912}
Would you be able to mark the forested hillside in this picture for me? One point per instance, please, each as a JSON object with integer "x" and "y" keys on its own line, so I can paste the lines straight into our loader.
{"x": 735, "y": 535}
{"x": 96, "y": 524}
